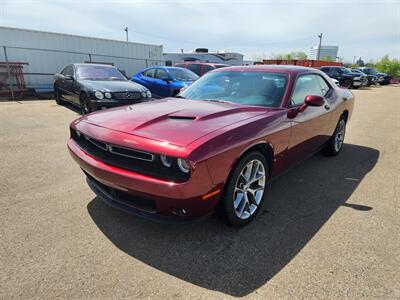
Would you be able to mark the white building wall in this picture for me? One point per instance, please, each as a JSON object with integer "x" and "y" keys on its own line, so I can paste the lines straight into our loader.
{"x": 48, "y": 52}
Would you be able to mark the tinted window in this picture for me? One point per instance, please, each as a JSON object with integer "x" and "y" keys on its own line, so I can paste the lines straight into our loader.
{"x": 196, "y": 68}
{"x": 308, "y": 85}
{"x": 326, "y": 70}
{"x": 183, "y": 74}
{"x": 68, "y": 71}
{"x": 248, "y": 88}
{"x": 161, "y": 73}
{"x": 207, "y": 68}
{"x": 220, "y": 66}
{"x": 149, "y": 73}
{"x": 92, "y": 72}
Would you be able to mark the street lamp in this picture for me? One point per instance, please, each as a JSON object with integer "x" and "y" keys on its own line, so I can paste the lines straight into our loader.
{"x": 319, "y": 46}
{"x": 126, "y": 30}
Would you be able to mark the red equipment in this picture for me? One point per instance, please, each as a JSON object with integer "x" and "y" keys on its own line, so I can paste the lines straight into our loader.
{"x": 12, "y": 81}
{"x": 300, "y": 62}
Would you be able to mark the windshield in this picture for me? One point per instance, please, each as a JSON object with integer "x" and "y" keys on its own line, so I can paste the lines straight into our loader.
{"x": 183, "y": 74}
{"x": 248, "y": 88}
{"x": 99, "y": 73}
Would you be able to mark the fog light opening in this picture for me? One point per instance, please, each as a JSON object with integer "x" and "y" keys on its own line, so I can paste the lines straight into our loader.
{"x": 179, "y": 212}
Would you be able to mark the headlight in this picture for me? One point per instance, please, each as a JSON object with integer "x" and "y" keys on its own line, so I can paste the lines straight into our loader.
{"x": 99, "y": 95}
{"x": 356, "y": 78}
{"x": 143, "y": 94}
{"x": 148, "y": 93}
{"x": 183, "y": 165}
{"x": 166, "y": 161}
{"x": 108, "y": 95}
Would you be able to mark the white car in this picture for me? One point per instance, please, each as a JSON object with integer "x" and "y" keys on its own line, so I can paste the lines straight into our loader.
{"x": 335, "y": 81}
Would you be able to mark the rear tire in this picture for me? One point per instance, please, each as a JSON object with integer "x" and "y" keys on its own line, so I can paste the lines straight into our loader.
{"x": 245, "y": 190}
{"x": 335, "y": 143}
{"x": 58, "y": 96}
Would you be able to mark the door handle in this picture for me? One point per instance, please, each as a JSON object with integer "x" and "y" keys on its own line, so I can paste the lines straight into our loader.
{"x": 327, "y": 107}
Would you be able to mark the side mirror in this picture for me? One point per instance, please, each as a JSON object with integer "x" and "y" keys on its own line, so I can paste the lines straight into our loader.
{"x": 310, "y": 100}
{"x": 166, "y": 79}
{"x": 313, "y": 100}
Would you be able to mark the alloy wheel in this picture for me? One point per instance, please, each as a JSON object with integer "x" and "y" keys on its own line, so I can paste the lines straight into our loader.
{"x": 339, "y": 137}
{"x": 249, "y": 189}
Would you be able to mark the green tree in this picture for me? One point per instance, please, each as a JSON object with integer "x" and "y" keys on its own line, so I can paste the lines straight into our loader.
{"x": 389, "y": 66}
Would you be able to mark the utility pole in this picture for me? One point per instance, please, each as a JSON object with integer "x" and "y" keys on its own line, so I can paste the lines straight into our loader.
{"x": 319, "y": 46}
{"x": 127, "y": 34}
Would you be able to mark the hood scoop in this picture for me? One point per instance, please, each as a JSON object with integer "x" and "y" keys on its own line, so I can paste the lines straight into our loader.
{"x": 182, "y": 118}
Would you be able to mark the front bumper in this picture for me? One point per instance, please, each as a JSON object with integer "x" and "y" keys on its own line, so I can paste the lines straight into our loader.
{"x": 358, "y": 83}
{"x": 167, "y": 198}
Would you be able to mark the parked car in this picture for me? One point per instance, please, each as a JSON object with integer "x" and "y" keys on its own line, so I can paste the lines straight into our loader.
{"x": 165, "y": 81}
{"x": 372, "y": 79}
{"x": 93, "y": 86}
{"x": 176, "y": 159}
{"x": 200, "y": 68}
{"x": 345, "y": 77}
{"x": 382, "y": 78}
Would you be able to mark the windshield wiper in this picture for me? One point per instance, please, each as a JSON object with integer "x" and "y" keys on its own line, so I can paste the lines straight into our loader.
{"x": 179, "y": 96}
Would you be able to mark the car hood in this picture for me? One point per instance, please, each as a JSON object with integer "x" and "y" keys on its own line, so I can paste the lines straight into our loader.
{"x": 114, "y": 85}
{"x": 176, "y": 121}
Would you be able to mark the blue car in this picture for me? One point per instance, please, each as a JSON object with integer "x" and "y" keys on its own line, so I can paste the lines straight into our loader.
{"x": 165, "y": 81}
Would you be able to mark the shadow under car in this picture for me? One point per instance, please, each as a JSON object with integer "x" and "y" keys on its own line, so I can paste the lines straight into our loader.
{"x": 238, "y": 261}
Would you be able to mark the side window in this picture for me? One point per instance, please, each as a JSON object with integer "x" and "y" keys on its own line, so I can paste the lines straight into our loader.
{"x": 68, "y": 71}
{"x": 195, "y": 68}
{"x": 324, "y": 86}
{"x": 207, "y": 68}
{"x": 161, "y": 73}
{"x": 149, "y": 73}
{"x": 306, "y": 85}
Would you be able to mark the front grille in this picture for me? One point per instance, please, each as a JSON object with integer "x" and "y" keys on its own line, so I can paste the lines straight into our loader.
{"x": 127, "y": 95}
{"x": 127, "y": 159}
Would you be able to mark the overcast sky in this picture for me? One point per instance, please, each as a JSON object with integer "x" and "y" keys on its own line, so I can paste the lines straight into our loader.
{"x": 367, "y": 29}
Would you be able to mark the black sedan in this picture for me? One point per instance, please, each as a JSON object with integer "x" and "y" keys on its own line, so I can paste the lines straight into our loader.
{"x": 94, "y": 86}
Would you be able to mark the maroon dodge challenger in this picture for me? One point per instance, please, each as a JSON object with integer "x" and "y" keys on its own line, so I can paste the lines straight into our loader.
{"x": 215, "y": 145}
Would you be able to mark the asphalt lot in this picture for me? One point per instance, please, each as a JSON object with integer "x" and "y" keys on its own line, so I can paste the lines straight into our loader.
{"x": 330, "y": 228}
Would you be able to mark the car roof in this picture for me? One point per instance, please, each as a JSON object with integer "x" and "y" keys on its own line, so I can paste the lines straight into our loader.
{"x": 201, "y": 63}
{"x": 271, "y": 68}
{"x": 91, "y": 64}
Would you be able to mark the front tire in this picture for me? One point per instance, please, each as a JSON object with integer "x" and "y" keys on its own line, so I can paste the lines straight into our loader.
{"x": 347, "y": 83}
{"x": 336, "y": 141}
{"x": 85, "y": 104}
{"x": 245, "y": 190}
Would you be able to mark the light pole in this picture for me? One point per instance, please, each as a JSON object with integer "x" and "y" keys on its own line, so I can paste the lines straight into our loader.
{"x": 319, "y": 46}
{"x": 126, "y": 30}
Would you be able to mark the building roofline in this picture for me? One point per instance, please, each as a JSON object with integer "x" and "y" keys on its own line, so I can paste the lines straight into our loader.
{"x": 75, "y": 35}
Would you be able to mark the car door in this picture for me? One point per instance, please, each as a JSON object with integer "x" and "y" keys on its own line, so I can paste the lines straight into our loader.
{"x": 147, "y": 79}
{"x": 310, "y": 129}
{"x": 162, "y": 83}
{"x": 66, "y": 83}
